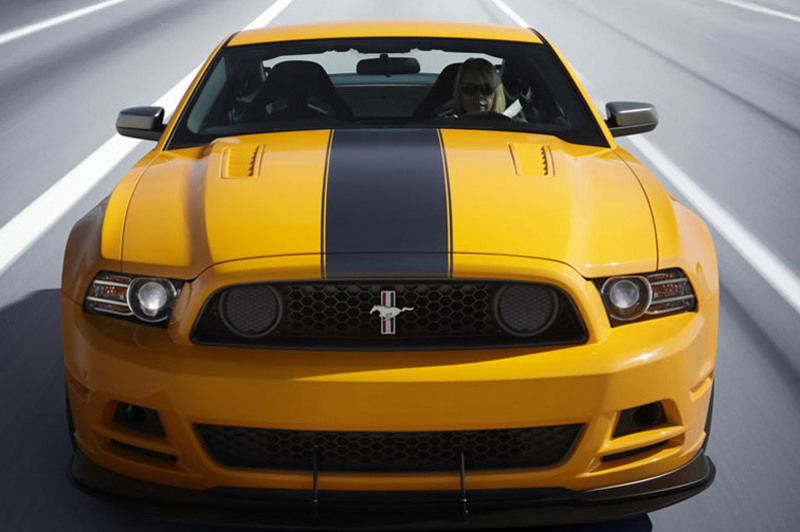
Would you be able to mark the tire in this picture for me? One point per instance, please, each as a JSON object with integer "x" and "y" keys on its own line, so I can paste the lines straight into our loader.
{"x": 708, "y": 418}
{"x": 70, "y": 421}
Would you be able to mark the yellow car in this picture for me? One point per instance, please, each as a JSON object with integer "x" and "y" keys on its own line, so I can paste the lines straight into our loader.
{"x": 390, "y": 274}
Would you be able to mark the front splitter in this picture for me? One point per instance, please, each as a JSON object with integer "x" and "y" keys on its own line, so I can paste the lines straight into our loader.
{"x": 393, "y": 510}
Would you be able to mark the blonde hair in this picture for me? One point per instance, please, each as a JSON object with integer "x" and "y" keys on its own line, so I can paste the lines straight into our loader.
{"x": 487, "y": 74}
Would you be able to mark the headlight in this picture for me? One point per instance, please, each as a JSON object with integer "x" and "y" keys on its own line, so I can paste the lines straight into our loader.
{"x": 147, "y": 299}
{"x": 639, "y": 297}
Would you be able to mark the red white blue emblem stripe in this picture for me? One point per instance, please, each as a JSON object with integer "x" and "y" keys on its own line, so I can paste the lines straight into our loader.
{"x": 388, "y": 300}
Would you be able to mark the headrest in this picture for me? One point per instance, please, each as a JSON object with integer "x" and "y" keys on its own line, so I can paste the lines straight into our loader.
{"x": 301, "y": 72}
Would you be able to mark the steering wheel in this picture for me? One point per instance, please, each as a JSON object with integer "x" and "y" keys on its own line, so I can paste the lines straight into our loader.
{"x": 486, "y": 115}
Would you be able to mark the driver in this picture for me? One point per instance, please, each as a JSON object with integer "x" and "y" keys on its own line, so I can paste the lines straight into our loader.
{"x": 478, "y": 89}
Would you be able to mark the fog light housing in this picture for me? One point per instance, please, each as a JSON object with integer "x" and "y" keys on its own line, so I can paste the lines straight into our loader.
{"x": 526, "y": 310}
{"x": 139, "y": 418}
{"x": 639, "y": 418}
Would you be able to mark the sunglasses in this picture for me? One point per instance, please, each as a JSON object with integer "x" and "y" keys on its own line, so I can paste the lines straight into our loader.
{"x": 471, "y": 89}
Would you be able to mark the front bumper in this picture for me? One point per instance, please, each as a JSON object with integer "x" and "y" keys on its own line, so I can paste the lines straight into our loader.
{"x": 331, "y": 510}
{"x": 668, "y": 360}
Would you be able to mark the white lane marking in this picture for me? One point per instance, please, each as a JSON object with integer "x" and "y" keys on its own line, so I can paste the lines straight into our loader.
{"x": 760, "y": 9}
{"x": 22, "y": 231}
{"x": 510, "y": 13}
{"x": 55, "y": 21}
{"x": 774, "y": 271}
{"x": 266, "y": 17}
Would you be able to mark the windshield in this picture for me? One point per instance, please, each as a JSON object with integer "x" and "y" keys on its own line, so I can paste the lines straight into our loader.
{"x": 386, "y": 82}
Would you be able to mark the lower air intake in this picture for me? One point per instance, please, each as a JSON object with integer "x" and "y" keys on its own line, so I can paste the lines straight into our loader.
{"x": 388, "y": 451}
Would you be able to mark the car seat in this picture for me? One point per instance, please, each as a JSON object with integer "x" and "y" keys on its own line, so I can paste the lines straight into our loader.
{"x": 298, "y": 89}
{"x": 441, "y": 92}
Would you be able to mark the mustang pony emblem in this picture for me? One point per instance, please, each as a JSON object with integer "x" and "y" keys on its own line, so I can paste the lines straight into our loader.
{"x": 387, "y": 311}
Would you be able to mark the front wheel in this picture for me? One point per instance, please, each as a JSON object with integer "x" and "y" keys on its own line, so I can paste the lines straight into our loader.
{"x": 70, "y": 421}
{"x": 708, "y": 417}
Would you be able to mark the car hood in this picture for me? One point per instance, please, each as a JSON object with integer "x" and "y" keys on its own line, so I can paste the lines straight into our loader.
{"x": 365, "y": 200}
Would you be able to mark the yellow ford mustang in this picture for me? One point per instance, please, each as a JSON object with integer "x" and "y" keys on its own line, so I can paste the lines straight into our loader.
{"x": 390, "y": 274}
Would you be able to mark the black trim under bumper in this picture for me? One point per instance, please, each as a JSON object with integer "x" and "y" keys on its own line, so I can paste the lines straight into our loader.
{"x": 336, "y": 510}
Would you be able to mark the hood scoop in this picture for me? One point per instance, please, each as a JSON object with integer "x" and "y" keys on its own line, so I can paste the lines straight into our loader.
{"x": 531, "y": 159}
{"x": 242, "y": 161}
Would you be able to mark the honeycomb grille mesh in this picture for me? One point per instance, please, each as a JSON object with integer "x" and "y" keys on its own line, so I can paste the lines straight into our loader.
{"x": 388, "y": 451}
{"x": 451, "y": 314}
{"x": 439, "y": 310}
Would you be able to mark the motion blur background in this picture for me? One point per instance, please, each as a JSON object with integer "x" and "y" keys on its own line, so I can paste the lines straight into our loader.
{"x": 724, "y": 75}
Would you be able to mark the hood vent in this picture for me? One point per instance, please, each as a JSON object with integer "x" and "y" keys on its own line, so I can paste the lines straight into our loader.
{"x": 242, "y": 161}
{"x": 531, "y": 159}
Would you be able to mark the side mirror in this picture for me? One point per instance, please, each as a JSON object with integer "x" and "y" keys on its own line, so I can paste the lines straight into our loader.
{"x": 630, "y": 118}
{"x": 141, "y": 122}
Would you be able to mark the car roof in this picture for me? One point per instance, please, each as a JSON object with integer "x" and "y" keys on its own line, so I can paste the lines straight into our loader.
{"x": 394, "y": 28}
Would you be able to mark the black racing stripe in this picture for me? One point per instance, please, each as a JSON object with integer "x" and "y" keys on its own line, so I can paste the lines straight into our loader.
{"x": 325, "y": 203}
{"x": 449, "y": 204}
{"x": 386, "y": 212}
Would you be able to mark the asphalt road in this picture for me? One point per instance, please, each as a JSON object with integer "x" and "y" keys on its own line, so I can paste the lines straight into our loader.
{"x": 724, "y": 78}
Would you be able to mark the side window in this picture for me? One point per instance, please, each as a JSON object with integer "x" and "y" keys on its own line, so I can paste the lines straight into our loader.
{"x": 210, "y": 93}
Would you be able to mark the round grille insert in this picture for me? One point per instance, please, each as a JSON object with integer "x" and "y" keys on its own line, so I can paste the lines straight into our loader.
{"x": 526, "y": 310}
{"x": 250, "y": 311}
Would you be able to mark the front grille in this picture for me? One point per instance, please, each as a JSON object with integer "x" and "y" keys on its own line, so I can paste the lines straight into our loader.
{"x": 337, "y": 315}
{"x": 388, "y": 451}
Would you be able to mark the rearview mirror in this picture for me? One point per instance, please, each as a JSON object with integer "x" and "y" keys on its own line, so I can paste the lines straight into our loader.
{"x": 630, "y": 118}
{"x": 141, "y": 122}
{"x": 388, "y": 66}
